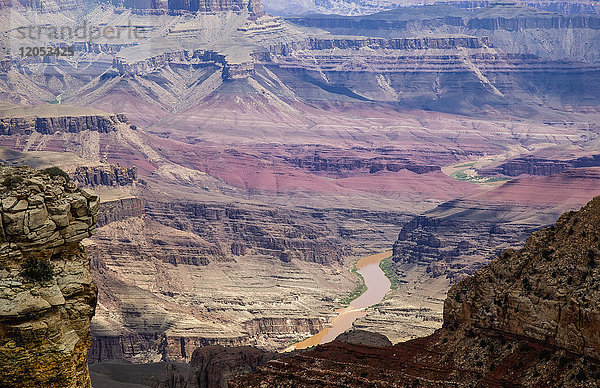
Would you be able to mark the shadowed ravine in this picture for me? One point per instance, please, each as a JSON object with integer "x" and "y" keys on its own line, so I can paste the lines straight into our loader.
{"x": 378, "y": 285}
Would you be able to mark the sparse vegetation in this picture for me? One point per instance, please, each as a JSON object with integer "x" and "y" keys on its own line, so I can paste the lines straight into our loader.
{"x": 37, "y": 269}
{"x": 468, "y": 174}
{"x": 56, "y": 171}
{"x": 360, "y": 289}
{"x": 387, "y": 267}
{"x": 11, "y": 181}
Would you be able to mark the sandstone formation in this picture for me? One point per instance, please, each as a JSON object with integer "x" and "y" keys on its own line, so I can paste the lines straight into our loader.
{"x": 458, "y": 237}
{"x": 47, "y": 296}
{"x": 51, "y": 125}
{"x": 254, "y": 7}
{"x": 105, "y": 175}
{"x": 120, "y": 209}
{"x": 213, "y": 366}
{"x": 530, "y": 318}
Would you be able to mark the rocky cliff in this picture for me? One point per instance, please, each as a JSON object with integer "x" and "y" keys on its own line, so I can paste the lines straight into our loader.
{"x": 47, "y": 296}
{"x": 530, "y": 318}
{"x": 254, "y": 7}
{"x": 262, "y": 230}
{"x": 105, "y": 175}
{"x": 460, "y": 236}
{"x": 513, "y": 28}
{"x": 51, "y": 125}
{"x": 548, "y": 290}
{"x": 120, "y": 209}
{"x": 540, "y": 166}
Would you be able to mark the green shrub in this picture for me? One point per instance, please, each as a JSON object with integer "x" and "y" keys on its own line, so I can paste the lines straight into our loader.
{"x": 37, "y": 269}
{"x": 12, "y": 180}
{"x": 56, "y": 171}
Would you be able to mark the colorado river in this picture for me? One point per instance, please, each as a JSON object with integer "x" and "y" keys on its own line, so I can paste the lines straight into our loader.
{"x": 377, "y": 286}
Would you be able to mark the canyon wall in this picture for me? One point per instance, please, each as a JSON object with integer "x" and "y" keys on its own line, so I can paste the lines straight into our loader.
{"x": 47, "y": 296}
{"x": 254, "y": 7}
{"x": 540, "y": 166}
{"x": 513, "y": 28}
{"x": 105, "y": 175}
{"x": 120, "y": 209}
{"x": 548, "y": 290}
{"x": 460, "y": 236}
{"x": 51, "y": 125}
{"x": 264, "y": 231}
{"x": 530, "y": 318}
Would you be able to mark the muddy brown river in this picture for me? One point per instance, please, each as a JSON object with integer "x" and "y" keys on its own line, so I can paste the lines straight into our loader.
{"x": 377, "y": 286}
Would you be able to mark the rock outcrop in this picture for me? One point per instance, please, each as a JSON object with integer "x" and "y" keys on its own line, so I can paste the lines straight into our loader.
{"x": 530, "y": 318}
{"x": 213, "y": 366}
{"x": 51, "y": 125}
{"x": 47, "y": 296}
{"x": 548, "y": 290}
{"x": 460, "y": 236}
{"x": 120, "y": 209}
{"x": 105, "y": 175}
{"x": 254, "y": 7}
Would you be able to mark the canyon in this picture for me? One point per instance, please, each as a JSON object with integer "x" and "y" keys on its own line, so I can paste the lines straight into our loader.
{"x": 244, "y": 162}
{"x": 516, "y": 321}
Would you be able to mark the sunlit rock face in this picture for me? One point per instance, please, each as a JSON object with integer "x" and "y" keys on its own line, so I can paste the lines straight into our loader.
{"x": 47, "y": 295}
{"x": 253, "y": 6}
{"x": 530, "y": 311}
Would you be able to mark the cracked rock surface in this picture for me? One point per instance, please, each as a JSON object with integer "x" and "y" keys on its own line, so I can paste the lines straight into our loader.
{"x": 44, "y": 316}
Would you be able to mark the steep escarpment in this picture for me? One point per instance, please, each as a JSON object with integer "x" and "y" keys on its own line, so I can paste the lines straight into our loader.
{"x": 262, "y": 230}
{"x": 105, "y": 175}
{"x": 514, "y": 28}
{"x": 253, "y": 6}
{"x": 530, "y": 318}
{"x": 120, "y": 209}
{"x": 458, "y": 237}
{"x": 47, "y": 296}
{"x": 51, "y": 125}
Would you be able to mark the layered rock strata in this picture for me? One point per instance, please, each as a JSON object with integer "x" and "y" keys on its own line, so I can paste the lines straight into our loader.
{"x": 120, "y": 209}
{"x": 263, "y": 230}
{"x": 254, "y": 7}
{"x": 530, "y": 318}
{"x": 51, "y": 125}
{"x": 105, "y": 175}
{"x": 459, "y": 236}
{"x": 540, "y": 166}
{"x": 47, "y": 296}
{"x": 185, "y": 58}
{"x": 514, "y": 28}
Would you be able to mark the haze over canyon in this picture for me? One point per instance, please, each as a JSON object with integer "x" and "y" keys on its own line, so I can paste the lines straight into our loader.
{"x": 236, "y": 159}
